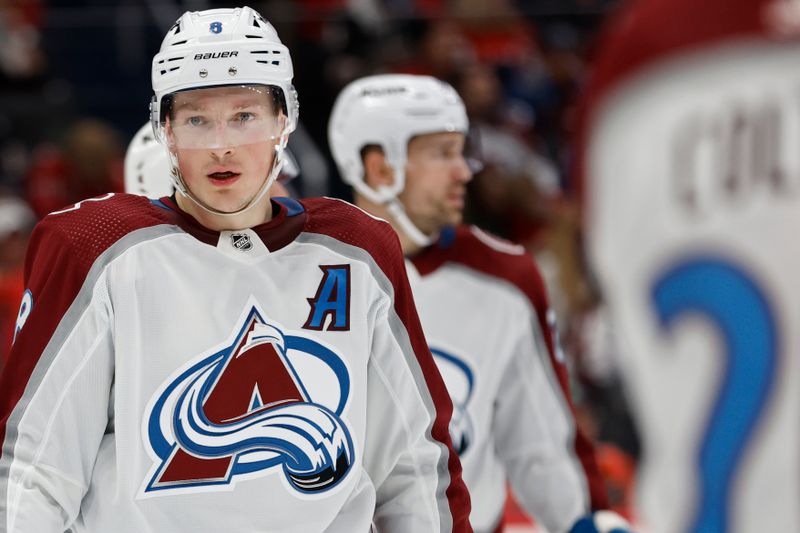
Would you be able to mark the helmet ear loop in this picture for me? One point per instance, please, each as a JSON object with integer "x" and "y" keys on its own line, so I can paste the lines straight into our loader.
{"x": 386, "y": 193}
{"x": 398, "y": 212}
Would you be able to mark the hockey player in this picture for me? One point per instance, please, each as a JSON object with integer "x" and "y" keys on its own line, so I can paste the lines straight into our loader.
{"x": 691, "y": 182}
{"x": 399, "y": 141}
{"x": 221, "y": 361}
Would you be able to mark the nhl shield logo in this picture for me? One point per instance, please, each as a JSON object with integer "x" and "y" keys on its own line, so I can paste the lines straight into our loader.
{"x": 241, "y": 242}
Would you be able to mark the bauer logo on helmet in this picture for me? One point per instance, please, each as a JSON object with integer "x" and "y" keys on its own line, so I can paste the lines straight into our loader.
{"x": 216, "y": 55}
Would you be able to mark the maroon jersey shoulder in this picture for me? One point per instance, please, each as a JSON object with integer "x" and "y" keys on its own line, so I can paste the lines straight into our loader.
{"x": 351, "y": 225}
{"x": 649, "y": 32}
{"x": 62, "y": 250}
{"x": 92, "y": 226}
{"x": 473, "y": 248}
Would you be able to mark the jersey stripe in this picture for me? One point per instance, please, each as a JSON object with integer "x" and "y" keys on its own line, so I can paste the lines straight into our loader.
{"x": 45, "y": 334}
{"x": 378, "y": 246}
{"x": 520, "y": 271}
{"x": 438, "y": 406}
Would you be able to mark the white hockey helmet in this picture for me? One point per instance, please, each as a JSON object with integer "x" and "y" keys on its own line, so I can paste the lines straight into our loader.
{"x": 147, "y": 170}
{"x": 388, "y": 110}
{"x": 219, "y": 48}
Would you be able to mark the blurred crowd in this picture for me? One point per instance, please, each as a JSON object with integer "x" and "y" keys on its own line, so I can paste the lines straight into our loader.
{"x": 75, "y": 85}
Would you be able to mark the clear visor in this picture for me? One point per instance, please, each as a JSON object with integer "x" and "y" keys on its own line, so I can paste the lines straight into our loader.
{"x": 221, "y": 117}
{"x": 290, "y": 169}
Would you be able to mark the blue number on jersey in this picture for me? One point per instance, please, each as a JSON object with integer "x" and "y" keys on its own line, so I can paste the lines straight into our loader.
{"x": 727, "y": 295}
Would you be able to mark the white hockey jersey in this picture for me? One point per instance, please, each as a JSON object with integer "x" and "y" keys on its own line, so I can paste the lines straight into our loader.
{"x": 485, "y": 314}
{"x": 692, "y": 192}
{"x": 166, "y": 377}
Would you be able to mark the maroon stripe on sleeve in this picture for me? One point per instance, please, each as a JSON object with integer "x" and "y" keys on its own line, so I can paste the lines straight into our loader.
{"x": 62, "y": 250}
{"x": 521, "y": 271}
{"x": 350, "y": 225}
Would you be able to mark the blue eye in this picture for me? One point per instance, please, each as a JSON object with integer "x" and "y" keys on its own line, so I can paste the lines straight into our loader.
{"x": 245, "y": 116}
{"x": 196, "y": 121}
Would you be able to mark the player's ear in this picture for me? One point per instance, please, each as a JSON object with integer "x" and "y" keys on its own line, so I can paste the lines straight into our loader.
{"x": 377, "y": 171}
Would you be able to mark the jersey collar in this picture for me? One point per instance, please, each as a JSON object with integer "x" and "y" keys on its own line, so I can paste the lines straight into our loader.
{"x": 287, "y": 222}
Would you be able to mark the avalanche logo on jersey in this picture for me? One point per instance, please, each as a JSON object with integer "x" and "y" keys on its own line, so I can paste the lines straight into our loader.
{"x": 266, "y": 402}
{"x": 460, "y": 382}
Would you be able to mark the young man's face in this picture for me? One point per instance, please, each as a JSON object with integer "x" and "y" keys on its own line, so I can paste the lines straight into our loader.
{"x": 436, "y": 179}
{"x": 224, "y": 139}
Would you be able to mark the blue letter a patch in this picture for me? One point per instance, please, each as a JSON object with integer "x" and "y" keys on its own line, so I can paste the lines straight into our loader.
{"x": 332, "y": 300}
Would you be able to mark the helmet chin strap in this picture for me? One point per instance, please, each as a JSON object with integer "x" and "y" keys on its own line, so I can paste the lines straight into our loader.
{"x": 386, "y": 195}
{"x": 399, "y": 215}
{"x": 183, "y": 188}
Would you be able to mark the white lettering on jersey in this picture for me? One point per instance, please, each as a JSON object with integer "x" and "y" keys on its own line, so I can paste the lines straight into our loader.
{"x": 78, "y": 205}
{"x": 24, "y": 311}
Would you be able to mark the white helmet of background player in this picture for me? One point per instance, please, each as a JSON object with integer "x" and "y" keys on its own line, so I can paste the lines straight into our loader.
{"x": 216, "y": 48}
{"x": 389, "y": 110}
{"x": 148, "y": 172}
{"x": 147, "y": 168}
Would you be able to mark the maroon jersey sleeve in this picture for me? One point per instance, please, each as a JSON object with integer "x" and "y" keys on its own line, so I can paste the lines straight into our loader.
{"x": 66, "y": 255}
{"x": 350, "y": 225}
{"x": 521, "y": 271}
{"x": 63, "y": 248}
{"x": 650, "y": 32}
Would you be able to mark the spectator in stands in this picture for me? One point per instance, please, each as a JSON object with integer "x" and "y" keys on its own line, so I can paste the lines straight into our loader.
{"x": 90, "y": 163}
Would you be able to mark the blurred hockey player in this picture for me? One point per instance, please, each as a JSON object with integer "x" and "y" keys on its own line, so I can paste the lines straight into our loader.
{"x": 147, "y": 168}
{"x": 399, "y": 141}
{"x": 691, "y": 184}
{"x": 16, "y": 223}
{"x": 226, "y": 361}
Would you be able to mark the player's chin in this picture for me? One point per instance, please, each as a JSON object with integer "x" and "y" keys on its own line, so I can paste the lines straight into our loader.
{"x": 441, "y": 223}
{"x": 228, "y": 203}
{"x": 454, "y": 217}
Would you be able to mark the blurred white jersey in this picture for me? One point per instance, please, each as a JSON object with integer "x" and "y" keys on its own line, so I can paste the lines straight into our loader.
{"x": 691, "y": 179}
{"x": 166, "y": 377}
{"x": 486, "y": 317}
